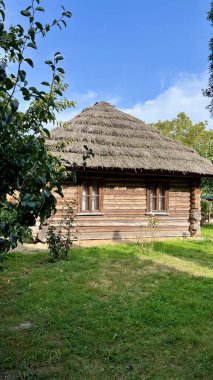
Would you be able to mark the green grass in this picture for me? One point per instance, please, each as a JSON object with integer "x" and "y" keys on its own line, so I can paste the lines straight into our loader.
{"x": 109, "y": 313}
{"x": 207, "y": 231}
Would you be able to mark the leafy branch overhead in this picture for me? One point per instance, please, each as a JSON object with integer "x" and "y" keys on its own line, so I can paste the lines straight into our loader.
{"x": 209, "y": 90}
{"x": 29, "y": 172}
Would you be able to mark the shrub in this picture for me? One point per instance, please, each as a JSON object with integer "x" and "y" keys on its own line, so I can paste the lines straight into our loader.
{"x": 55, "y": 244}
{"x": 206, "y": 211}
{"x": 60, "y": 239}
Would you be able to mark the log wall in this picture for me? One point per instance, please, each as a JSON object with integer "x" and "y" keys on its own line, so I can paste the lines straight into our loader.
{"x": 195, "y": 207}
{"x": 124, "y": 212}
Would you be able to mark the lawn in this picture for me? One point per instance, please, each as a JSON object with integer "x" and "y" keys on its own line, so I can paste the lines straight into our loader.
{"x": 114, "y": 312}
{"x": 207, "y": 231}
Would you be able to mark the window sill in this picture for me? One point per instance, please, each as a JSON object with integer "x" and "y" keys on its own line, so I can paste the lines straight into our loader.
{"x": 90, "y": 213}
{"x": 158, "y": 213}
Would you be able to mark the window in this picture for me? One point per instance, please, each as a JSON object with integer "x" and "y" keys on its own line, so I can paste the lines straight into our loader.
{"x": 90, "y": 197}
{"x": 157, "y": 198}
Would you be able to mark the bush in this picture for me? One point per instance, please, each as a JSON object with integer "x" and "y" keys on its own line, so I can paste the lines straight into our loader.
{"x": 55, "y": 244}
{"x": 206, "y": 211}
{"x": 60, "y": 239}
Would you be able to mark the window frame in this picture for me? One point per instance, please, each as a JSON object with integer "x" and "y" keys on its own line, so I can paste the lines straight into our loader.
{"x": 90, "y": 183}
{"x": 156, "y": 186}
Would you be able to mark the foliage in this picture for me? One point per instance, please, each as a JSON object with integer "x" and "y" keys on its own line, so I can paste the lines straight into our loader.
{"x": 55, "y": 244}
{"x": 207, "y": 186}
{"x": 61, "y": 239}
{"x": 13, "y": 230}
{"x": 67, "y": 225}
{"x": 209, "y": 90}
{"x": 196, "y": 136}
{"x": 110, "y": 313}
{"x": 206, "y": 211}
{"x": 29, "y": 172}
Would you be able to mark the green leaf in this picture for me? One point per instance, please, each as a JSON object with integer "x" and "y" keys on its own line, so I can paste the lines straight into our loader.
{"x": 2, "y": 14}
{"x": 57, "y": 78}
{"x": 59, "y": 92}
{"x": 39, "y": 26}
{"x": 47, "y": 132}
{"x": 59, "y": 58}
{"x": 68, "y": 14}
{"x": 61, "y": 70}
{"x": 45, "y": 83}
{"x": 8, "y": 84}
{"x": 31, "y": 32}
{"x": 29, "y": 61}
{"x": 14, "y": 105}
{"x": 48, "y": 62}
{"x": 25, "y": 93}
{"x": 20, "y": 57}
{"x": 25, "y": 13}
{"x": 20, "y": 28}
{"x": 32, "y": 45}
{"x": 1, "y": 27}
{"x": 40, "y": 9}
{"x": 33, "y": 89}
{"x": 22, "y": 75}
{"x": 2, "y": 4}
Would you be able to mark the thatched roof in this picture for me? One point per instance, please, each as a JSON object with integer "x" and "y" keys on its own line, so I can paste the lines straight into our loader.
{"x": 121, "y": 141}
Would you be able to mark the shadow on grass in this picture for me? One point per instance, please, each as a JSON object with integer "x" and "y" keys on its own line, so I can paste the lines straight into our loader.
{"x": 199, "y": 252}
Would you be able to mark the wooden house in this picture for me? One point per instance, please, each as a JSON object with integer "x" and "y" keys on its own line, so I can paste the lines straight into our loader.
{"x": 136, "y": 174}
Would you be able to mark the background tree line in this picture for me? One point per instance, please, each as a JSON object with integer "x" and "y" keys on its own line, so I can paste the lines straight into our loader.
{"x": 196, "y": 136}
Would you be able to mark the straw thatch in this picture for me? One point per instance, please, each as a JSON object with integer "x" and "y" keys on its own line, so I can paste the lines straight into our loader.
{"x": 121, "y": 141}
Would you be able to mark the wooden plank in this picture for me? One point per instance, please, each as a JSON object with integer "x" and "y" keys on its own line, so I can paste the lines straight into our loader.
{"x": 124, "y": 236}
{"x": 124, "y": 207}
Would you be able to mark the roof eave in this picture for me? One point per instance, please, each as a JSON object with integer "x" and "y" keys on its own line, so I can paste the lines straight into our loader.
{"x": 138, "y": 171}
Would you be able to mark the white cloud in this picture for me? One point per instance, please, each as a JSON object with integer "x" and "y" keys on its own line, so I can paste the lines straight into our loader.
{"x": 183, "y": 95}
{"x": 88, "y": 96}
{"x": 114, "y": 100}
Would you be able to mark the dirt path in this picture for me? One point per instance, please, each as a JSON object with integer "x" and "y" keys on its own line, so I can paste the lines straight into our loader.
{"x": 31, "y": 248}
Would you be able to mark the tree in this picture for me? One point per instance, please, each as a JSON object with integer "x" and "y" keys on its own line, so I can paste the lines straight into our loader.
{"x": 29, "y": 173}
{"x": 195, "y": 136}
{"x": 209, "y": 91}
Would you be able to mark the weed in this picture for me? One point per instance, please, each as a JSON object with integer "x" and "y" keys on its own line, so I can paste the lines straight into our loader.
{"x": 146, "y": 239}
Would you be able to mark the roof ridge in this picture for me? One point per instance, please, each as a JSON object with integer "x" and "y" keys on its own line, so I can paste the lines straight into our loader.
{"x": 103, "y": 102}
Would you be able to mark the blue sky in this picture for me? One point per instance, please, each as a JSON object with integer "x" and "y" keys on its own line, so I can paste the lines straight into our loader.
{"x": 149, "y": 58}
